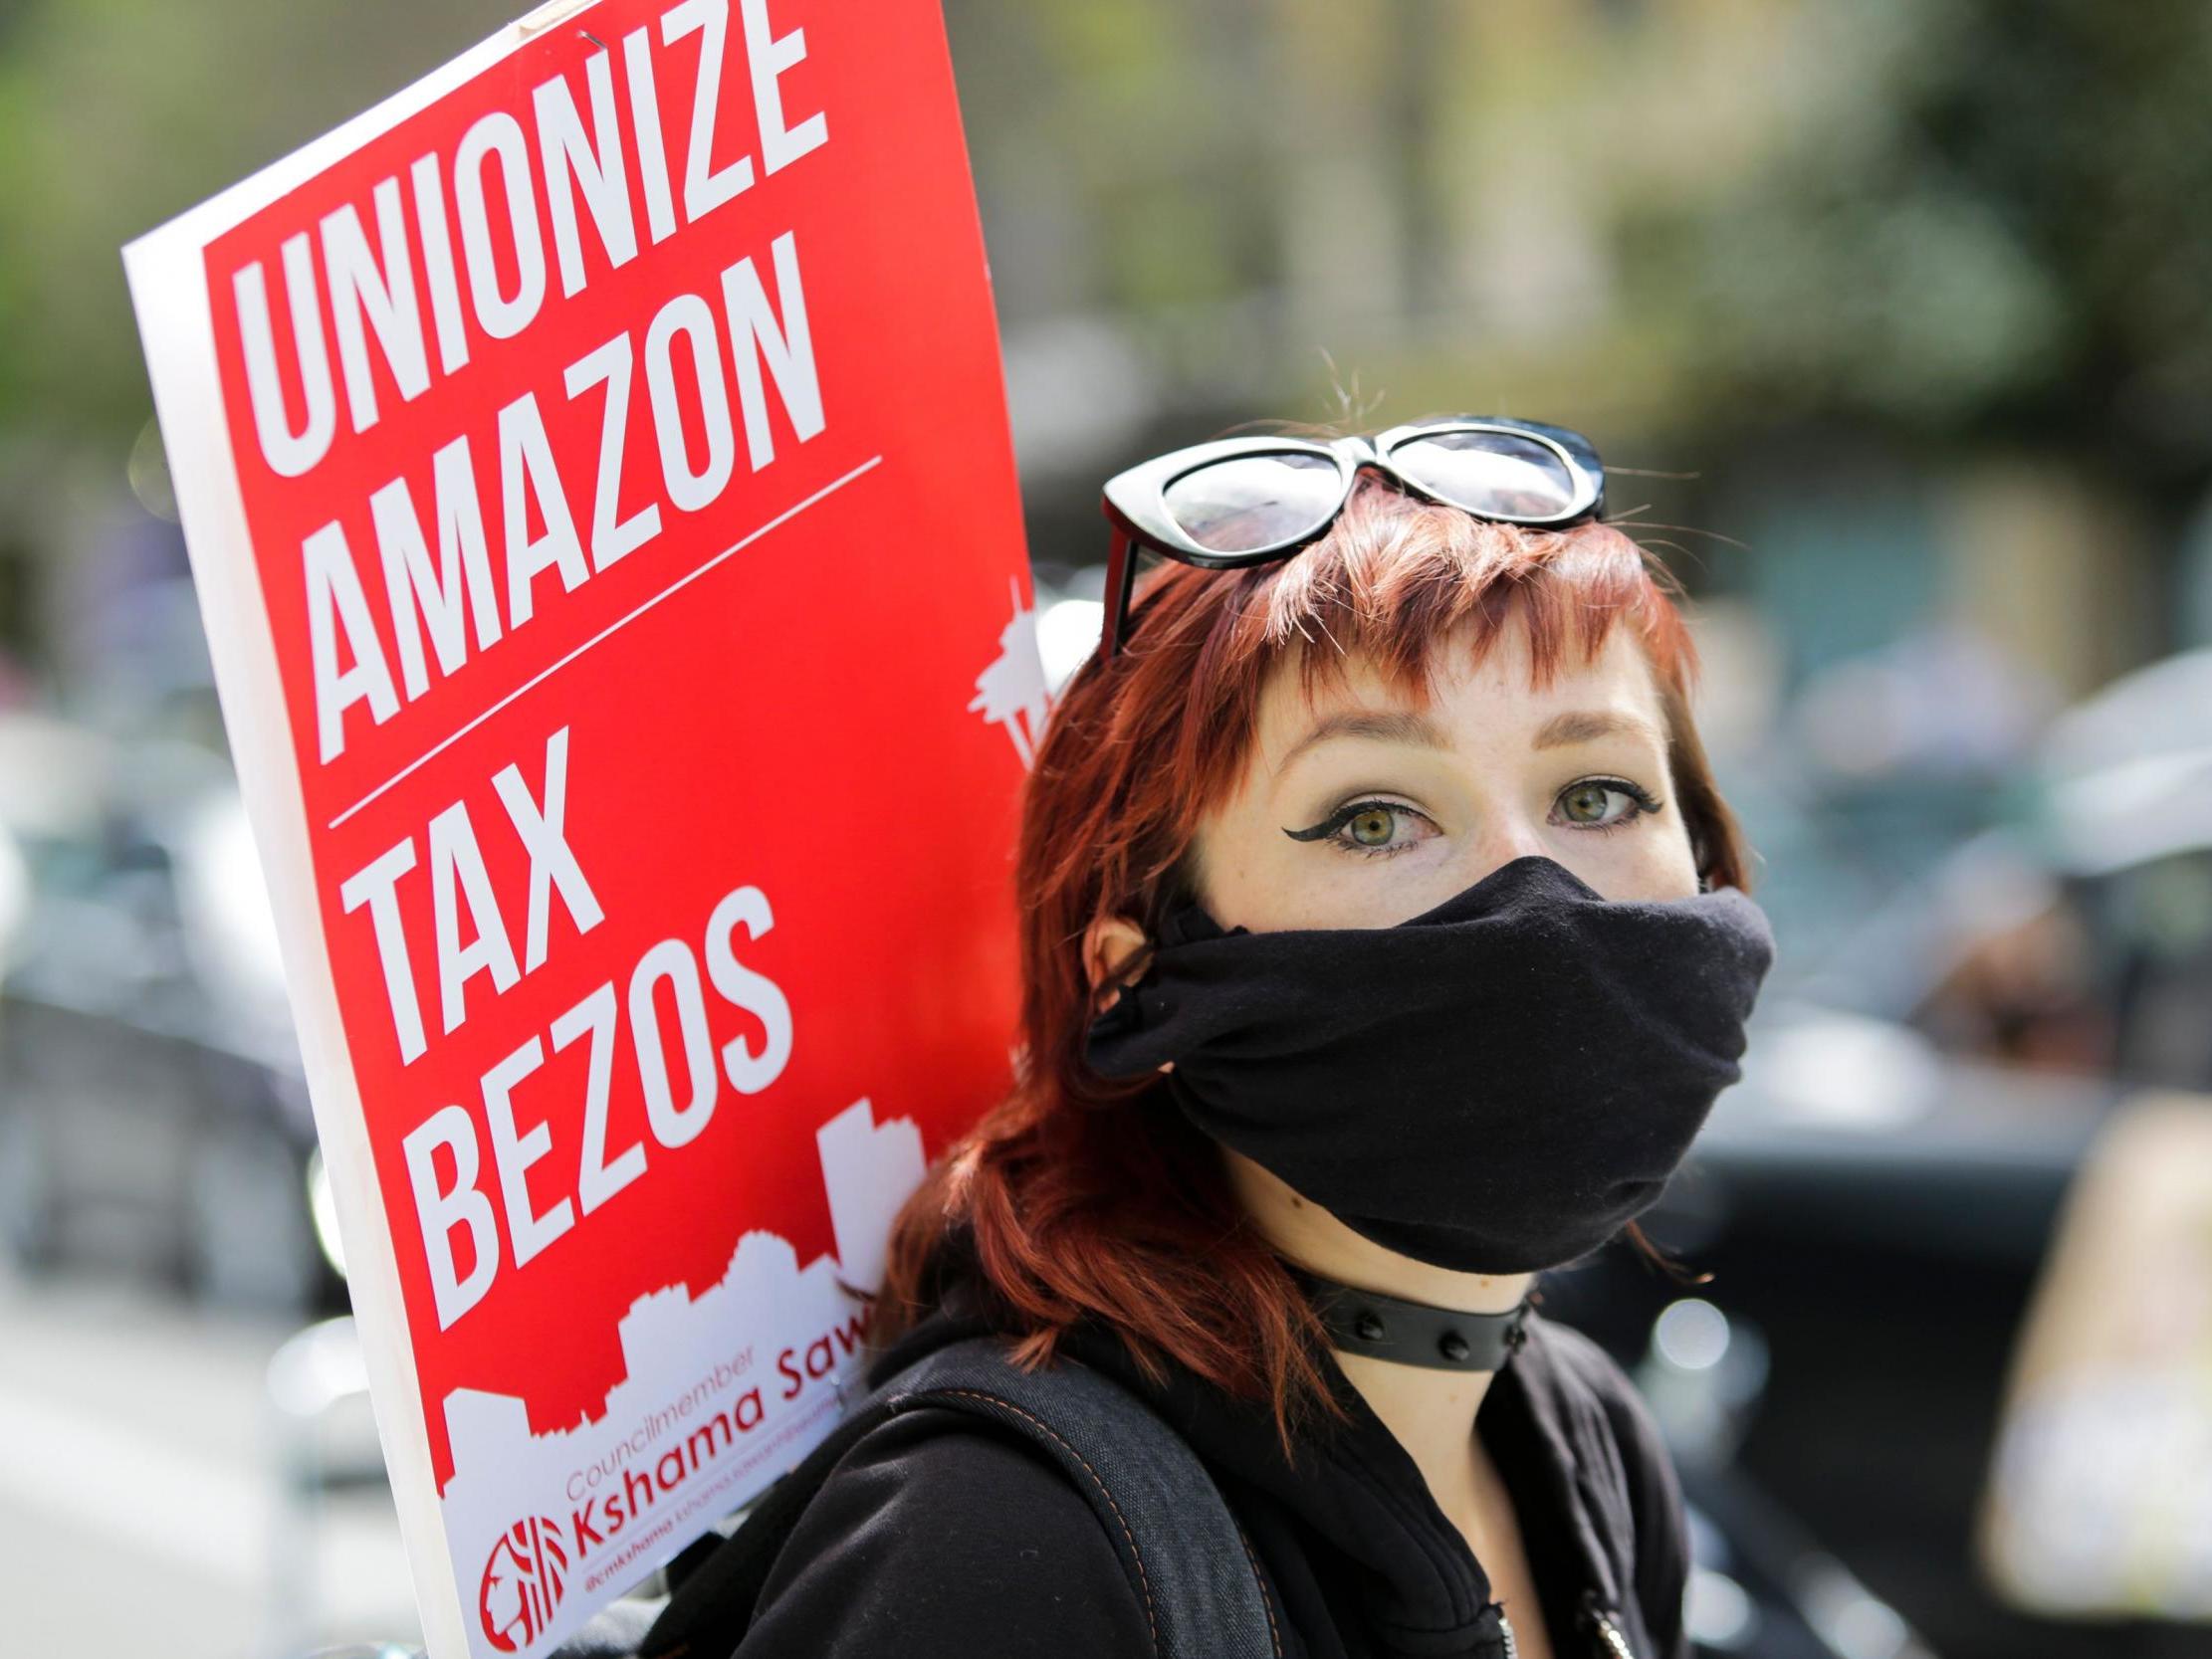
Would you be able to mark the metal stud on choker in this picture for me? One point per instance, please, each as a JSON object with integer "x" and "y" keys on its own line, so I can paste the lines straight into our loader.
{"x": 1415, "y": 1332}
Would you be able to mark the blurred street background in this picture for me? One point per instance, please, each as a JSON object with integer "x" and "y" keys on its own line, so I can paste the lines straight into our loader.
{"x": 1895, "y": 321}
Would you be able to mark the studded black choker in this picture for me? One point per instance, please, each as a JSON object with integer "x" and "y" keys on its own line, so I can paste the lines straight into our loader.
{"x": 1413, "y": 1333}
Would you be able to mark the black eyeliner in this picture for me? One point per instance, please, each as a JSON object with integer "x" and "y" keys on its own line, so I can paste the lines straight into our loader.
{"x": 1645, "y": 800}
{"x": 1635, "y": 791}
{"x": 1338, "y": 818}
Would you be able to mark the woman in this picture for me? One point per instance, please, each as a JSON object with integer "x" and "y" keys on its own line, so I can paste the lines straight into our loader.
{"x": 1384, "y": 945}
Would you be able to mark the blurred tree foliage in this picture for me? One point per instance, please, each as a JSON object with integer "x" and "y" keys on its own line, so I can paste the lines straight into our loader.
{"x": 1945, "y": 216}
{"x": 2003, "y": 231}
{"x": 115, "y": 114}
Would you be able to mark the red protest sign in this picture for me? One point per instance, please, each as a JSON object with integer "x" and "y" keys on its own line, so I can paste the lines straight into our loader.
{"x": 595, "y": 467}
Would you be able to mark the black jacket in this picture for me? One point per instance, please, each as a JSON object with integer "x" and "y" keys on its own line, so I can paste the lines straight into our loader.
{"x": 938, "y": 1536}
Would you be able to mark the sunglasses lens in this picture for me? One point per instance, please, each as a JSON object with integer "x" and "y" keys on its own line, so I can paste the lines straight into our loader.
{"x": 1494, "y": 473}
{"x": 1251, "y": 501}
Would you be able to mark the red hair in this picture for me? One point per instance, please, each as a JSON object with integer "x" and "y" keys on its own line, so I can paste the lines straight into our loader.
{"x": 1078, "y": 1198}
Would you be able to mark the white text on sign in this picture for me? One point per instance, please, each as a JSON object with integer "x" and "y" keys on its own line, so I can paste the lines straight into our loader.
{"x": 681, "y": 1080}
{"x": 399, "y": 290}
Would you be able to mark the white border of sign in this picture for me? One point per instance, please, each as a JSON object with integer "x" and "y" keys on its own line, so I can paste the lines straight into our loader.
{"x": 168, "y": 275}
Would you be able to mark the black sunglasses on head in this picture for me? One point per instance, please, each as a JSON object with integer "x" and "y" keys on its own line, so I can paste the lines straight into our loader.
{"x": 1236, "y": 502}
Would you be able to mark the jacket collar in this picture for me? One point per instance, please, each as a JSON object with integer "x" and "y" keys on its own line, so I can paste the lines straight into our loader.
{"x": 1357, "y": 1486}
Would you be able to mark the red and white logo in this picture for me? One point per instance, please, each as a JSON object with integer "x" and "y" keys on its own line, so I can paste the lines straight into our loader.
{"x": 522, "y": 1583}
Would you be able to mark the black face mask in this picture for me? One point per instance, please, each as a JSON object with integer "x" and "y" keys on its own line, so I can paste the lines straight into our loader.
{"x": 1496, "y": 1085}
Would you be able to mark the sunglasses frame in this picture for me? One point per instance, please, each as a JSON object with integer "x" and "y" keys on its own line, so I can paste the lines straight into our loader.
{"x": 1135, "y": 501}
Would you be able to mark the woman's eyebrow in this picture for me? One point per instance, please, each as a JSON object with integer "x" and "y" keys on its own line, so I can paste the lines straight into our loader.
{"x": 1582, "y": 725}
{"x": 1402, "y": 727}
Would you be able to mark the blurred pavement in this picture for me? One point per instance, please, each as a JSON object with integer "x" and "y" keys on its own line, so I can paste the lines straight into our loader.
{"x": 142, "y": 1502}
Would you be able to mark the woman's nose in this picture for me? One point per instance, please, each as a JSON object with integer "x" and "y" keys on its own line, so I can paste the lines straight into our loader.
{"x": 1505, "y": 840}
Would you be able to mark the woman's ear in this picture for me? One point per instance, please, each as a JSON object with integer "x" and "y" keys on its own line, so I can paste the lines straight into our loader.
{"x": 1111, "y": 947}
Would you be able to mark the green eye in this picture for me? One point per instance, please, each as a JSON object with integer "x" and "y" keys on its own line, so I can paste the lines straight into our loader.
{"x": 1586, "y": 802}
{"x": 1585, "y": 805}
{"x": 1374, "y": 827}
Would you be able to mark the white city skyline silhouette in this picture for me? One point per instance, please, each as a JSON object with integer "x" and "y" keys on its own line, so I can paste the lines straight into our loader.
{"x": 672, "y": 1340}
{"x": 1011, "y": 691}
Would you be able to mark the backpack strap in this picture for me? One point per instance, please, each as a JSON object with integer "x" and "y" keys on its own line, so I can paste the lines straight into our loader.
{"x": 1188, "y": 1560}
